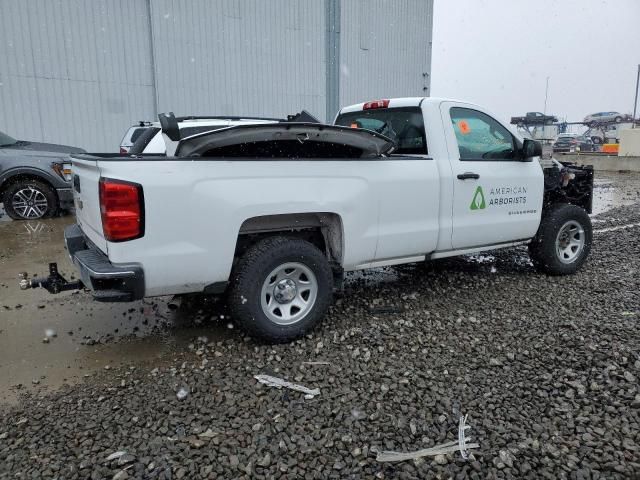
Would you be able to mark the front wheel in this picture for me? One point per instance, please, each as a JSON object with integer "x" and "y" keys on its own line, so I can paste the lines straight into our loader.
{"x": 563, "y": 241}
{"x": 30, "y": 200}
{"x": 618, "y": 119}
{"x": 280, "y": 289}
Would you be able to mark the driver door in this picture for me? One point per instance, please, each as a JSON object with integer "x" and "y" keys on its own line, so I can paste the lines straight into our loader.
{"x": 497, "y": 197}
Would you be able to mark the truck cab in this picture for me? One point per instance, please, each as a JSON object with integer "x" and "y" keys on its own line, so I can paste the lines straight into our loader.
{"x": 488, "y": 193}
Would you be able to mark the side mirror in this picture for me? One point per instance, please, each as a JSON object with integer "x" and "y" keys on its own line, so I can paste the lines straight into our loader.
{"x": 530, "y": 149}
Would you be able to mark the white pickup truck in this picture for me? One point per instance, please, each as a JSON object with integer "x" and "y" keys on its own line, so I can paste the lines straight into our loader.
{"x": 272, "y": 215}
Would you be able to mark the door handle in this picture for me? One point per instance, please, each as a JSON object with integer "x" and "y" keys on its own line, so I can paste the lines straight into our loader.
{"x": 466, "y": 175}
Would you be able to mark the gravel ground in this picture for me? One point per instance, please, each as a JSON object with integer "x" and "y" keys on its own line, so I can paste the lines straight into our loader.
{"x": 546, "y": 368}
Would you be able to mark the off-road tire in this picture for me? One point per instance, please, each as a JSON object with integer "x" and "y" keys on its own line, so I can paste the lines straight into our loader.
{"x": 44, "y": 189}
{"x": 252, "y": 270}
{"x": 543, "y": 248}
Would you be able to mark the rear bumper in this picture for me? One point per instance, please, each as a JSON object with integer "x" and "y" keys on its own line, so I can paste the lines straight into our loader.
{"x": 65, "y": 197}
{"x": 108, "y": 282}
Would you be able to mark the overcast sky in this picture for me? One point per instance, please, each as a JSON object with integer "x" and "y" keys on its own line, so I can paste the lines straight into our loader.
{"x": 498, "y": 53}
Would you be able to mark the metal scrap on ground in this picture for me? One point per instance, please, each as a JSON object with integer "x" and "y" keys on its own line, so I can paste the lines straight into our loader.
{"x": 115, "y": 455}
{"x": 462, "y": 440}
{"x": 279, "y": 383}
{"x": 460, "y": 445}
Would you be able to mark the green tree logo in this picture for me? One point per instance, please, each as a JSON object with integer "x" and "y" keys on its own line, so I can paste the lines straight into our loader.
{"x": 478, "y": 200}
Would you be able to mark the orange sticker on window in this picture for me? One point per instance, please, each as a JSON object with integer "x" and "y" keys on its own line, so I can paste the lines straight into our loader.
{"x": 354, "y": 125}
{"x": 463, "y": 126}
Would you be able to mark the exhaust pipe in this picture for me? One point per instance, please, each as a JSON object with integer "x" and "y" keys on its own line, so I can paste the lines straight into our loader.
{"x": 175, "y": 303}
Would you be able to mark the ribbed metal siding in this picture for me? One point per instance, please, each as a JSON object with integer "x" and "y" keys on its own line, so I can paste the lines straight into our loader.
{"x": 75, "y": 72}
{"x": 385, "y": 49}
{"x": 250, "y": 57}
{"x": 81, "y": 72}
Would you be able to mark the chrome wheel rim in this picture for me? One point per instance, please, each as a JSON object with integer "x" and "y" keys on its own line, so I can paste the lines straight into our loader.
{"x": 30, "y": 202}
{"x": 289, "y": 293}
{"x": 570, "y": 242}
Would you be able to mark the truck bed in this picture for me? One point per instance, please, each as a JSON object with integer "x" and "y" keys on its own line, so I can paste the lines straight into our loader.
{"x": 199, "y": 201}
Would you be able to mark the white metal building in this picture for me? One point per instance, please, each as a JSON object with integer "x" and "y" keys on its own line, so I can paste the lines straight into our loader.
{"x": 81, "y": 71}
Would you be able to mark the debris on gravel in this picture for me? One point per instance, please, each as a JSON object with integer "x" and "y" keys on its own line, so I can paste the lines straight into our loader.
{"x": 547, "y": 368}
{"x": 182, "y": 393}
{"x": 280, "y": 383}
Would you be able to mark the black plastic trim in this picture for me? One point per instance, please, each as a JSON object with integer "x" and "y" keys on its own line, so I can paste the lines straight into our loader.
{"x": 216, "y": 288}
{"x": 108, "y": 282}
{"x": 74, "y": 239}
{"x": 65, "y": 197}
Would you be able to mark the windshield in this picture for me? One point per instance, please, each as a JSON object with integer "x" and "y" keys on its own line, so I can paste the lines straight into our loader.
{"x": 405, "y": 126}
{"x": 6, "y": 140}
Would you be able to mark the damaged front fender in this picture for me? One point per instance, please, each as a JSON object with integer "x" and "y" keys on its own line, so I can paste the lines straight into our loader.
{"x": 565, "y": 182}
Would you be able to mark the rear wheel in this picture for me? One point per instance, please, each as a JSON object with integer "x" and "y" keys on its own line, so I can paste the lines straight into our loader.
{"x": 30, "y": 200}
{"x": 563, "y": 241}
{"x": 281, "y": 288}
{"x": 618, "y": 119}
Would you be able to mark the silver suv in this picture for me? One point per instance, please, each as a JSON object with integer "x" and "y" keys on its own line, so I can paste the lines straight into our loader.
{"x": 605, "y": 117}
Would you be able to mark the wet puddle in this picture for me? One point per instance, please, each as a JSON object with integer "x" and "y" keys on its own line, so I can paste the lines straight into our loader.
{"x": 48, "y": 340}
{"x": 612, "y": 190}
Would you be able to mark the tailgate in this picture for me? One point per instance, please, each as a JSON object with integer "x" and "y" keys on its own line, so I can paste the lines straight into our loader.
{"x": 86, "y": 178}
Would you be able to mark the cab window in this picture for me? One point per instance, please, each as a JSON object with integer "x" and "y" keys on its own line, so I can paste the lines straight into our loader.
{"x": 481, "y": 137}
{"x": 404, "y": 125}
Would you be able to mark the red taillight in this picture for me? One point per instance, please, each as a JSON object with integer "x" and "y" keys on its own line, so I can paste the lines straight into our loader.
{"x": 376, "y": 104}
{"x": 123, "y": 151}
{"x": 122, "y": 209}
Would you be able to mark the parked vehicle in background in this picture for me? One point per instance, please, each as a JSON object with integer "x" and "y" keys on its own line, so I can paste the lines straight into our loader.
{"x": 597, "y": 136}
{"x": 34, "y": 177}
{"x": 612, "y": 134}
{"x": 151, "y": 141}
{"x": 573, "y": 142}
{"x": 132, "y": 134}
{"x": 604, "y": 117}
{"x": 606, "y": 132}
{"x": 534, "y": 118}
{"x": 274, "y": 214}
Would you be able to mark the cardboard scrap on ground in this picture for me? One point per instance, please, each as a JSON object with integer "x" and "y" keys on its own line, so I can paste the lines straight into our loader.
{"x": 279, "y": 383}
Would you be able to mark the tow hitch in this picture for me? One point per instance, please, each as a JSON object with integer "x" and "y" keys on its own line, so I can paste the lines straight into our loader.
{"x": 54, "y": 283}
